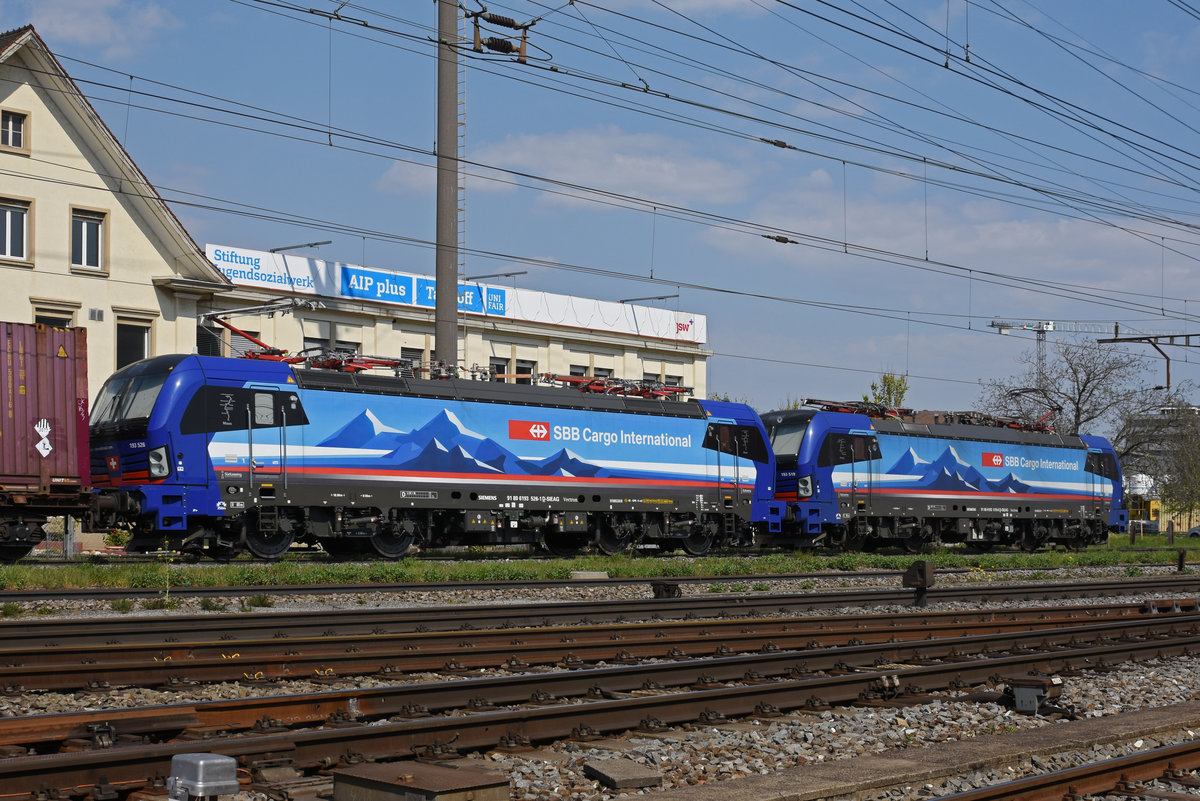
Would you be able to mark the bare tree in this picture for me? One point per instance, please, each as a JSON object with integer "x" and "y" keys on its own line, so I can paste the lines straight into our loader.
{"x": 1090, "y": 389}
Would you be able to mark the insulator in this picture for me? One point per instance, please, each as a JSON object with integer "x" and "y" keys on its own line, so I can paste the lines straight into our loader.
{"x": 504, "y": 22}
{"x": 499, "y": 45}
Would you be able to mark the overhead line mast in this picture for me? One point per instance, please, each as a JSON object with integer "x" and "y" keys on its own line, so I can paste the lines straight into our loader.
{"x": 445, "y": 342}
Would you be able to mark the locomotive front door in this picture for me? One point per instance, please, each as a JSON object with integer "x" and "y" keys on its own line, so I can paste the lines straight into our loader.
{"x": 266, "y": 442}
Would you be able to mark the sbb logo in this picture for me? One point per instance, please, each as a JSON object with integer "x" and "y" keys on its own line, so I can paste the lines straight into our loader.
{"x": 993, "y": 460}
{"x": 529, "y": 429}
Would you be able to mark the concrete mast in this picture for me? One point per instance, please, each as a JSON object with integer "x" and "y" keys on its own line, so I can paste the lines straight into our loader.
{"x": 445, "y": 346}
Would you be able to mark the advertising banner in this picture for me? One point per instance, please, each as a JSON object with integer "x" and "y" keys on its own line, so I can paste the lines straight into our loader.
{"x": 304, "y": 275}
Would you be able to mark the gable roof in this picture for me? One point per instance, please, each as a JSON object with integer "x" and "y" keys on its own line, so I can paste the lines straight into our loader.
{"x": 190, "y": 263}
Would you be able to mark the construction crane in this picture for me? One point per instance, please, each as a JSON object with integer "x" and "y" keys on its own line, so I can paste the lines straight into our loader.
{"x": 1040, "y": 328}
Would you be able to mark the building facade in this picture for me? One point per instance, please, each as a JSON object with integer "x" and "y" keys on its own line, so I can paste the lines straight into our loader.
{"x": 86, "y": 240}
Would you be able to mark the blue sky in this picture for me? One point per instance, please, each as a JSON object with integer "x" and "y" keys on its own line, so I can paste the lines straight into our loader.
{"x": 1050, "y": 177}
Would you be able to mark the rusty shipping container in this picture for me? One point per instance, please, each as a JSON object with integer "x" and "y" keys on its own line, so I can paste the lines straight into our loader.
{"x": 44, "y": 461}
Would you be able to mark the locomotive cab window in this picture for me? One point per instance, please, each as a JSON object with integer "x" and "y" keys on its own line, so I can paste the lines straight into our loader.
{"x": 264, "y": 409}
{"x": 847, "y": 448}
{"x": 1103, "y": 465}
{"x": 214, "y": 409}
{"x": 786, "y": 437}
{"x": 743, "y": 441}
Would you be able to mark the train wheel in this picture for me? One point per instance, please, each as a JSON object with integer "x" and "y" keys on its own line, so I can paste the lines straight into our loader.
{"x": 1034, "y": 539}
{"x": 612, "y": 541}
{"x": 393, "y": 542}
{"x": 698, "y": 543}
{"x": 11, "y": 553}
{"x": 269, "y": 544}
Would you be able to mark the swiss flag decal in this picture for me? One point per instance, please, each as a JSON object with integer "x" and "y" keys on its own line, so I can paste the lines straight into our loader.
{"x": 528, "y": 429}
{"x": 993, "y": 460}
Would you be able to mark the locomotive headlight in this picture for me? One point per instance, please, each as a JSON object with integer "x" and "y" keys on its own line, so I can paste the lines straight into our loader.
{"x": 804, "y": 486}
{"x": 159, "y": 466}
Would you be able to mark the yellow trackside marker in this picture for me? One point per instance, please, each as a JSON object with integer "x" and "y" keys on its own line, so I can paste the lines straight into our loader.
{"x": 62, "y": 352}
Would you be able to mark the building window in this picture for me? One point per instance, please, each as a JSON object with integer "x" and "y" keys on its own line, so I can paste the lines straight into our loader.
{"x": 578, "y": 370}
{"x": 673, "y": 381}
{"x": 240, "y": 345}
{"x": 133, "y": 342}
{"x": 52, "y": 319}
{"x": 87, "y": 232}
{"x": 12, "y": 130}
{"x": 14, "y": 227}
{"x": 499, "y": 369}
{"x": 602, "y": 372}
{"x": 414, "y": 357}
{"x": 209, "y": 341}
{"x": 526, "y": 371}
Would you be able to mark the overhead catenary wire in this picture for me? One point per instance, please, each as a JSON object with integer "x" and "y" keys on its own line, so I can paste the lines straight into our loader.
{"x": 741, "y": 222}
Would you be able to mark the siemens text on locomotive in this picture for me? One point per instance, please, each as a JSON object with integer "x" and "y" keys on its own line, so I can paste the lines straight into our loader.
{"x": 219, "y": 456}
{"x": 850, "y": 478}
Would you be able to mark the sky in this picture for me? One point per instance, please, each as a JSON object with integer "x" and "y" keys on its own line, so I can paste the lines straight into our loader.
{"x": 844, "y": 188}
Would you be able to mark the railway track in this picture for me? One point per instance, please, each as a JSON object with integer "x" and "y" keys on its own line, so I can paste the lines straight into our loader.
{"x": 74, "y": 664}
{"x": 130, "y": 748}
{"x": 166, "y": 628}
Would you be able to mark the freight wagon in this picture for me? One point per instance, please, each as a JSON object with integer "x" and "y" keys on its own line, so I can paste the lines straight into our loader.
{"x": 43, "y": 432}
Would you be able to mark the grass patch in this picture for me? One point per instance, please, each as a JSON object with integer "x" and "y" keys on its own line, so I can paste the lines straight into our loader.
{"x": 212, "y": 604}
{"x": 11, "y": 609}
{"x": 121, "y": 605}
{"x": 173, "y": 573}
{"x": 256, "y": 601}
{"x": 161, "y": 602}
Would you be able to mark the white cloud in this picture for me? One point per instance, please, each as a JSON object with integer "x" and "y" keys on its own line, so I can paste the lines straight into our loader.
{"x": 120, "y": 28}
{"x": 647, "y": 166}
{"x": 405, "y": 178}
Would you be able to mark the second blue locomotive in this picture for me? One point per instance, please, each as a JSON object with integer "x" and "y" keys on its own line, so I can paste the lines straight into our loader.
{"x": 848, "y": 479}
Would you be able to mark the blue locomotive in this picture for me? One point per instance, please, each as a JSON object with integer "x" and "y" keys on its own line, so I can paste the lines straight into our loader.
{"x": 849, "y": 479}
{"x": 222, "y": 456}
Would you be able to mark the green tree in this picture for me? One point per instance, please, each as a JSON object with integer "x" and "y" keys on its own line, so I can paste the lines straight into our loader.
{"x": 888, "y": 391}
